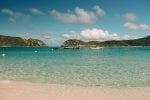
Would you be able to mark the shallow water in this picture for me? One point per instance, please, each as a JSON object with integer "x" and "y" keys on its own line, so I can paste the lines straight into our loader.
{"x": 108, "y": 67}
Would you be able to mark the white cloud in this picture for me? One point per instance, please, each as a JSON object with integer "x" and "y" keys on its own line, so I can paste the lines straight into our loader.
{"x": 46, "y": 35}
{"x": 95, "y": 34}
{"x": 15, "y": 15}
{"x": 25, "y": 35}
{"x": 99, "y": 10}
{"x": 132, "y": 24}
{"x": 8, "y": 12}
{"x": 12, "y": 20}
{"x": 130, "y": 17}
{"x": 43, "y": 36}
{"x": 79, "y": 16}
{"x": 36, "y": 11}
{"x": 22, "y": 16}
{"x": 98, "y": 34}
{"x": 137, "y": 27}
{"x": 71, "y": 35}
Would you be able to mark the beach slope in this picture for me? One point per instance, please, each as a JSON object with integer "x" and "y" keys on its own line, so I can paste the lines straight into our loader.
{"x": 33, "y": 91}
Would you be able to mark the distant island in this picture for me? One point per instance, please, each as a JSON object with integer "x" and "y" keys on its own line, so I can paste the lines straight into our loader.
{"x": 10, "y": 41}
{"x": 134, "y": 42}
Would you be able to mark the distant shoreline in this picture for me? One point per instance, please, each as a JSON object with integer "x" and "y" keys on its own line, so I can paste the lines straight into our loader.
{"x": 20, "y": 42}
{"x": 60, "y": 46}
{"x": 133, "y": 42}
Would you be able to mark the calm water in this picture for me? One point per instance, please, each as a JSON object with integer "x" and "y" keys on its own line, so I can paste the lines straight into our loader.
{"x": 109, "y": 67}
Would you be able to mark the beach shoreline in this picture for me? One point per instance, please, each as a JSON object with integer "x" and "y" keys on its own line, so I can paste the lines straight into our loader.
{"x": 35, "y": 91}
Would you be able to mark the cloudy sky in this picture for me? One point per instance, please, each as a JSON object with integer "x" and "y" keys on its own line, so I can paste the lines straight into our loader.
{"x": 55, "y": 21}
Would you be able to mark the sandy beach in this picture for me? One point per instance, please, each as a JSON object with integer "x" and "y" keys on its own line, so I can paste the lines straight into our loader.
{"x": 34, "y": 91}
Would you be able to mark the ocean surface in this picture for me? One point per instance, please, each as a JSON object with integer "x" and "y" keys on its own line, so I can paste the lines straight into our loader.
{"x": 107, "y": 67}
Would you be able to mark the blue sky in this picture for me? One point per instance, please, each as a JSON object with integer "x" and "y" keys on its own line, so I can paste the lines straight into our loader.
{"x": 55, "y": 21}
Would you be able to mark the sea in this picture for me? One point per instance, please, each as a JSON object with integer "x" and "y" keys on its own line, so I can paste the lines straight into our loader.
{"x": 106, "y": 67}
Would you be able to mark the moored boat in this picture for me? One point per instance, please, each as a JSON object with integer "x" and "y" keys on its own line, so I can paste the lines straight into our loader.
{"x": 96, "y": 48}
{"x": 71, "y": 47}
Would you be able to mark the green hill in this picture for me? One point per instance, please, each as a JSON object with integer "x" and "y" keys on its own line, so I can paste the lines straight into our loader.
{"x": 135, "y": 42}
{"x": 18, "y": 41}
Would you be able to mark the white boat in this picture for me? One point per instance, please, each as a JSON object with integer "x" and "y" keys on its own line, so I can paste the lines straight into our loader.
{"x": 71, "y": 47}
{"x": 96, "y": 48}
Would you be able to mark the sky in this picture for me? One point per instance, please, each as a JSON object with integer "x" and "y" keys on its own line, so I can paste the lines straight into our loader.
{"x": 55, "y": 21}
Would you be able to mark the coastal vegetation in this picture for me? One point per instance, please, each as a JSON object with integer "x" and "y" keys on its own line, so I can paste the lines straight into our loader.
{"x": 134, "y": 42}
{"x": 11, "y": 41}
{"x": 18, "y": 41}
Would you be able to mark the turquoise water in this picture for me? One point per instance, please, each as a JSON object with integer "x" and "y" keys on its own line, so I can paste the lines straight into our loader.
{"x": 109, "y": 67}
